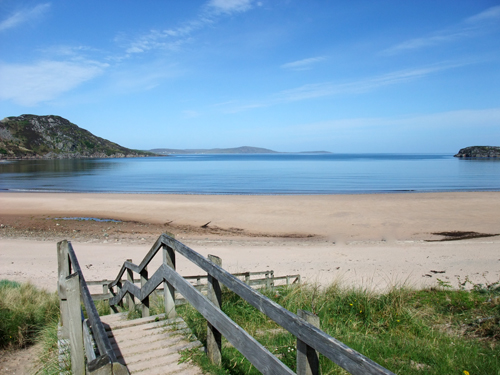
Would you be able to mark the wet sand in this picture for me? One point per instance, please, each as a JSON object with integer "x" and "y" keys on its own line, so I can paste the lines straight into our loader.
{"x": 373, "y": 241}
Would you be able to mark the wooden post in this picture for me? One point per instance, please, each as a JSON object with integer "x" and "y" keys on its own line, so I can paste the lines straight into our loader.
{"x": 119, "y": 286}
{"x": 87, "y": 342}
{"x": 75, "y": 324}
{"x": 247, "y": 278}
{"x": 307, "y": 357}
{"x": 168, "y": 289}
{"x": 130, "y": 297}
{"x": 63, "y": 272}
{"x": 214, "y": 338}
{"x": 145, "y": 302}
{"x": 105, "y": 289}
{"x": 268, "y": 281}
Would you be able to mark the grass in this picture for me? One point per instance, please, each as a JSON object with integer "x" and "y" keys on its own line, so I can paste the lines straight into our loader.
{"x": 24, "y": 311}
{"x": 29, "y": 315}
{"x": 47, "y": 362}
{"x": 432, "y": 331}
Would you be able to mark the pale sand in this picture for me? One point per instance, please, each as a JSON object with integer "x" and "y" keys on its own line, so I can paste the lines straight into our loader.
{"x": 369, "y": 240}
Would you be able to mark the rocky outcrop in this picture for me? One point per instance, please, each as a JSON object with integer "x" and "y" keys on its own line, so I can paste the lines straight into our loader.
{"x": 479, "y": 152}
{"x": 54, "y": 137}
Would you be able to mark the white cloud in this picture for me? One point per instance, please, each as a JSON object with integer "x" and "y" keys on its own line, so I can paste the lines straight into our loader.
{"x": 29, "y": 85}
{"x": 317, "y": 90}
{"x": 172, "y": 39}
{"x": 156, "y": 40}
{"x": 434, "y": 132}
{"x": 487, "y": 15}
{"x": 142, "y": 78}
{"x": 24, "y": 16}
{"x": 453, "y": 120}
{"x": 190, "y": 114}
{"x": 229, "y": 6}
{"x": 470, "y": 27}
{"x": 304, "y": 64}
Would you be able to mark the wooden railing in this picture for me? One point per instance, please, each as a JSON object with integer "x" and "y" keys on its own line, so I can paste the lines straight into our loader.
{"x": 309, "y": 337}
{"x": 260, "y": 279}
{"x": 73, "y": 290}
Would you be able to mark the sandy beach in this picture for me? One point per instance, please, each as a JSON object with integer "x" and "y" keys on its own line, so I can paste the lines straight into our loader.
{"x": 373, "y": 241}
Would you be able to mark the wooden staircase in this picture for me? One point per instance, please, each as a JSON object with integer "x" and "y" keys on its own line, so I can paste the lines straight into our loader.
{"x": 150, "y": 345}
{"x": 113, "y": 345}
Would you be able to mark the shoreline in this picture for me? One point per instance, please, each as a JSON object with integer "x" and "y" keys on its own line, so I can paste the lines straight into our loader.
{"x": 367, "y": 192}
{"x": 408, "y": 216}
{"x": 376, "y": 239}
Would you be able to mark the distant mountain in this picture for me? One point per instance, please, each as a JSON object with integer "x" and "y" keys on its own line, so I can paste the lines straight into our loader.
{"x": 54, "y": 137}
{"x": 235, "y": 150}
{"x": 479, "y": 152}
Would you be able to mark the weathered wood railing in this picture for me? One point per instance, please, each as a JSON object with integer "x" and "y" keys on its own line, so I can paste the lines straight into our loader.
{"x": 309, "y": 337}
{"x": 200, "y": 282}
{"x": 73, "y": 290}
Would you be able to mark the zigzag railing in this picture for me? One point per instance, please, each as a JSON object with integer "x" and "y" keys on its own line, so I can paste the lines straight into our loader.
{"x": 308, "y": 335}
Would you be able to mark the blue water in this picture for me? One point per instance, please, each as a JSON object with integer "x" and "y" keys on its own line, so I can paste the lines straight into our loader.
{"x": 255, "y": 174}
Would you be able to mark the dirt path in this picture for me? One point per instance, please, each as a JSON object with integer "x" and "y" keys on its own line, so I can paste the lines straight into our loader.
{"x": 18, "y": 362}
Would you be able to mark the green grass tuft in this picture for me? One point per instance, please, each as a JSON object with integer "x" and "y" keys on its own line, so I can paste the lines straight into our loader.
{"x": 24, "y": 311}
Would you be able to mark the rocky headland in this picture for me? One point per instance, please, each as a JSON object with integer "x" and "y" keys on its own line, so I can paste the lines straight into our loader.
{"x": 479, "y": 152}
{"x": 54, "y": 137}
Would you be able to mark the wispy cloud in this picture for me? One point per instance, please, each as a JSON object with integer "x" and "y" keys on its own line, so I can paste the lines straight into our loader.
{"x": 446, "y": 120}
{"x": 468, "y": 28}
{"x": 323, "y": 89}
{"x": 45, "y": 80}
{"x": 173, "y": 38}
{"x": 24, "y": 16}
{"x": 144, "y": 77}
{"x": 410, "y": 133}
{"x": 229, "y": 6}
{"x": 164, "y": 40}
{"x": 489, "y": 14}
{"x": 190, "y": 114}
{"x": 304, "y": 64}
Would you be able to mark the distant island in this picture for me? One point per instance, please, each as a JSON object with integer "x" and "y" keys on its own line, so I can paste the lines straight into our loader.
{"x": 235, "y": 150}
{"x": 54, "y": 137}
{"x": 479, "y": 152}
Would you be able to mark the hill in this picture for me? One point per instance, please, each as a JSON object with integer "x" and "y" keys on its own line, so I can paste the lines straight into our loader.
{"x": 479, "y": 152}
{"x": 54, "y": 137}
{"x": 235, "y": 150}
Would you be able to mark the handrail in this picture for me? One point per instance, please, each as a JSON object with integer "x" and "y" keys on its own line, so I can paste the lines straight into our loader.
{"x": 107, "y": 355}
{"x": 100, "y": 337}
{"x": 138, "y": 269}
{"x": 196, "y": 277}
{"x": 341, "y": 354}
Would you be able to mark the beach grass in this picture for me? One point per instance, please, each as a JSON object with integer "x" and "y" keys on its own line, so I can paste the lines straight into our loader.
{"x": 438, "y": 330}
{"x": 24, "y": 311}
{"x": 29, "y": 315}
{"x": 430, "y": 331}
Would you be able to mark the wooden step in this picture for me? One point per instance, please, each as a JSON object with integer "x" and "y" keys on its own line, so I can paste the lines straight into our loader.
{"x": 150, "y": 345}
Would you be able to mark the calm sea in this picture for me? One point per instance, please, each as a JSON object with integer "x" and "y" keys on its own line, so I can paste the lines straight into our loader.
{"x": 255, "y": 174}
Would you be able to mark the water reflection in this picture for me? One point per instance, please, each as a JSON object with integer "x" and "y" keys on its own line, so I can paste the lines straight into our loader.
{"x": 54, "y": 168}
{"x": 255, "y": 174}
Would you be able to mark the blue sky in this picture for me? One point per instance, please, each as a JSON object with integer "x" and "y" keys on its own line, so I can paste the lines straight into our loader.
{"x": 290, "y": 75}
